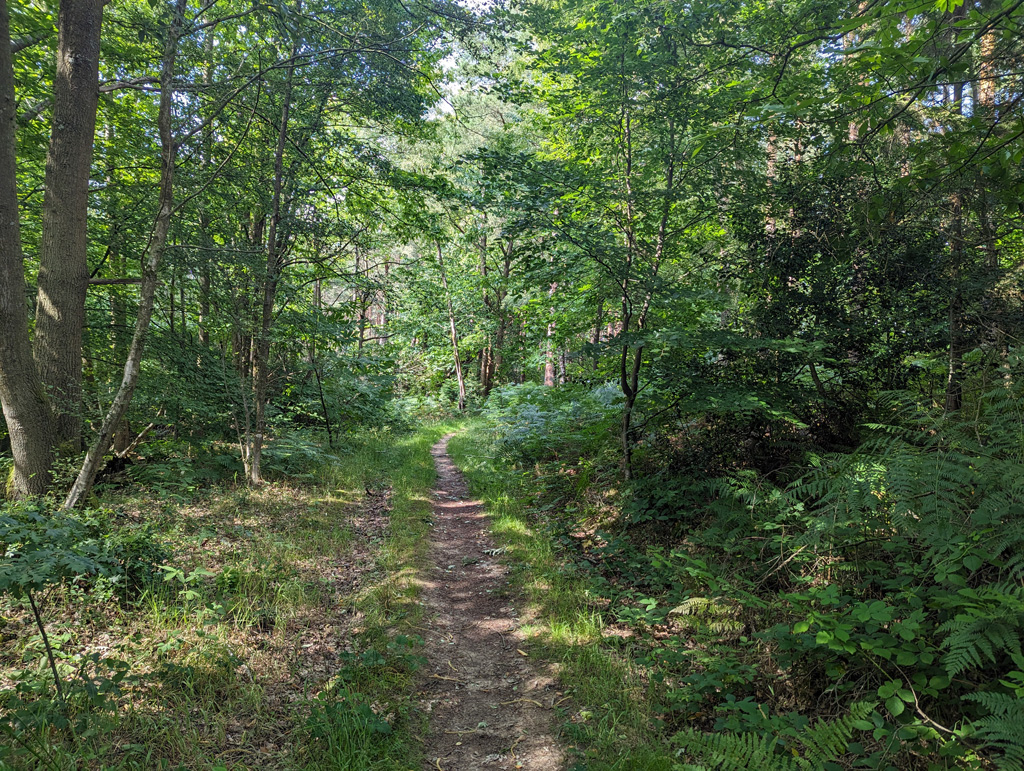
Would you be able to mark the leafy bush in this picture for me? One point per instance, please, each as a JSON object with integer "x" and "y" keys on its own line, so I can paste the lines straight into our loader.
{"x": 294, "y": 454}
{"x": 892, "y": 573}
{"x": 178, "y": 467}
{"x": 43, "y": 548}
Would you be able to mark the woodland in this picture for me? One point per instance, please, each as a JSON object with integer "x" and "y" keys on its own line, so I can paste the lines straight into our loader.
{"x": 722, "y": 302}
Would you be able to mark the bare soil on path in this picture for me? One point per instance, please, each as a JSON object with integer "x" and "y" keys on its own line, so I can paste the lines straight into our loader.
{"x": 488, "y": 708}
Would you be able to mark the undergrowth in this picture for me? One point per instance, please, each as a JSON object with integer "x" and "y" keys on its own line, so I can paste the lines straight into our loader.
{"x": 222, "y": 627}
{"x": 865, "y": 613}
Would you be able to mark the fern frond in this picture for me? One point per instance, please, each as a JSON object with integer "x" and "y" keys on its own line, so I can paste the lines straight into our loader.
{"x": 1003, "y": 729}
{"x": 735, "y": 752}
{"x": 821, "y": 743}
{"x": 825, "y": 741}
{"x": 988, "y": 622}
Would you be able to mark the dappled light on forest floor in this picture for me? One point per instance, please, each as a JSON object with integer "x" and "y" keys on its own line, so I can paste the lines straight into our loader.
{"x": 489, "y": 708}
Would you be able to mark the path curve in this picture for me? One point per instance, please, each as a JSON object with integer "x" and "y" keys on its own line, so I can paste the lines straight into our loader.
{"x": 489, "y": 710}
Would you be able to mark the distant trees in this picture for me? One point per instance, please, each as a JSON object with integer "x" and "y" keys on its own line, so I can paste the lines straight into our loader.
{"x": 763, "y": 214}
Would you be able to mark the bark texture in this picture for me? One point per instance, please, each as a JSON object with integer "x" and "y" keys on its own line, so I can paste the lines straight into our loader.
{"x": 275, "y": 247}
{"x": 21, "y": 391}
{"x": 63, "y": 269}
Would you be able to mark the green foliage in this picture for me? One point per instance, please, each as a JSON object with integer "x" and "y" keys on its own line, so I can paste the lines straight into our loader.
{"x": 179, "y": 468}
{"x": 535, "y": 423}
{"x": 1001, "y": 727}
{"x": 295, "y": 454}
{"x": 345, "y": 733}
{"x": 344, "y": 730}
{"x": 816, "y": 747}
{"x": 43, "y": 548}
{"x": 890, "y": 572}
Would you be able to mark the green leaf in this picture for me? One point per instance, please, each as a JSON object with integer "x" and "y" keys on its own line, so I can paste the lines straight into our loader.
{"x": 895, "y": 706}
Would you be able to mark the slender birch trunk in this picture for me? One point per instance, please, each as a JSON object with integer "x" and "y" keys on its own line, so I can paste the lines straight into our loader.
{"x": 454, "y": 331}
{"x": 123, "y": 397}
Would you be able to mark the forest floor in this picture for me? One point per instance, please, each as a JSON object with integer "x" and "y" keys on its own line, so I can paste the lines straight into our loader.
{"x": 489, "y": 708}
{"x": 358, "y": 618}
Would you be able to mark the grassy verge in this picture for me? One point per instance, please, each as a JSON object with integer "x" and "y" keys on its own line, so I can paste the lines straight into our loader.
{"x": 612, "y": 725}
{"x": 279, "y": 631}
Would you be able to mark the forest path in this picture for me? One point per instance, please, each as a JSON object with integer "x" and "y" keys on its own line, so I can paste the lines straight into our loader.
{"x": 489, "y": 709}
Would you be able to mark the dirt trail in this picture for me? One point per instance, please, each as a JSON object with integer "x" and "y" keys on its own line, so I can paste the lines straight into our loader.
{"x": 488, "y": 708}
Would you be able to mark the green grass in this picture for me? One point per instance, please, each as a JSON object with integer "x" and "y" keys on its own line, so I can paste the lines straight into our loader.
{"x": 344, "y": 732}
{"x": 611, "y": 725}
{"x": 263, "y": 645}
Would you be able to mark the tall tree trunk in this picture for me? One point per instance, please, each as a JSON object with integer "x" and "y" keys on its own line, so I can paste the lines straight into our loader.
{"x": 497, "y": 352}
{"x": 261, "y": 346}
{"x": 631, "y": 358}
{"x": 204, "y": 219}
{"x": 21, "y": 390}
{"x": 985, "y": 109}
{"x": 957, "y": 336}
{"x": 204, "y": 306}
{"x": 63, "y": 266}
{"x": 94, "y": 457}
{"x": 454, "y": 331}
{"x": 487, "y": 352}
{"x": 957, "y": 339}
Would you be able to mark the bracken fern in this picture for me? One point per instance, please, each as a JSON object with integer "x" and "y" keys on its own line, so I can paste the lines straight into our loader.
{"x": 815, "y": 747}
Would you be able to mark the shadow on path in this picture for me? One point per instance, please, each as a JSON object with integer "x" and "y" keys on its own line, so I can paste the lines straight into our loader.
{"x": 488, "y": 708}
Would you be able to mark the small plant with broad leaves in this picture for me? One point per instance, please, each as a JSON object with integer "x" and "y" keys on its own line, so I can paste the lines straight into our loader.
{"x": 43, "y": 549}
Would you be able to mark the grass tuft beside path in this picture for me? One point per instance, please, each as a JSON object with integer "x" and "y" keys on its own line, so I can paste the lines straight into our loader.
{"x": 611, "y": 720}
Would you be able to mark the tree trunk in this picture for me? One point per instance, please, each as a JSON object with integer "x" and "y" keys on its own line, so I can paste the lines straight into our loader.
{"x": 549, "y": 349}
{"x": 497, "y": 354}
{"x": 957, "y": 341}
{"x": 204, "y": 219}
{"x": 204, "y": 306}
{"x": 487, "y": 352}
{"x": 261, "y": 346}
{"x": 21, "y": 390}
{"x": 630, "y": 363}
{"x": 63, "y": 267}
{"x": 94, "y": 457}
{"x": 454, "y": 331}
